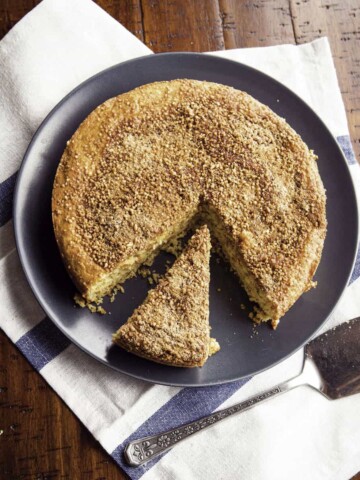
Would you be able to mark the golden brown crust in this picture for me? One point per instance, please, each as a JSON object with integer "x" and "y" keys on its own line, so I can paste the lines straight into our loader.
{"x": 172, "y": 324}
{"x": 147, "y": 160}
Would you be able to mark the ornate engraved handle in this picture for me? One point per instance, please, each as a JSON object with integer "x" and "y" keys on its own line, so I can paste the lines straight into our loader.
{"x": 145, "y": 449}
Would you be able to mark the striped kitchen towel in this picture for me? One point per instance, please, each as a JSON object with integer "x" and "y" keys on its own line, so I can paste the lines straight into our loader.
{"x": 299, "y": 435}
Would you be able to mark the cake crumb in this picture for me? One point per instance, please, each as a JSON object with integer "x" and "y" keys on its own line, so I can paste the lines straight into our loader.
{"x": 118, "y": 288}
{"x": 79, "y": 300}
{"x": 174, "y": 247}
{"x": 144, "y": 272}
{"x": 93, "y": 307}
{"x": 214, "y": 346}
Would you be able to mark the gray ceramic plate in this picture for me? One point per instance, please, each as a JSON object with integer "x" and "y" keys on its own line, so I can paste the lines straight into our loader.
{"x": 242, "y": 353}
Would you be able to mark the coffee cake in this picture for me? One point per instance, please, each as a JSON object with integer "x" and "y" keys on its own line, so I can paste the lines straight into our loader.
{"x": 144, "y": 165}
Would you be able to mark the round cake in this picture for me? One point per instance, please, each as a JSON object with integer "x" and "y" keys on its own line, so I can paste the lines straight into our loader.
{"x": 145, "y": 166}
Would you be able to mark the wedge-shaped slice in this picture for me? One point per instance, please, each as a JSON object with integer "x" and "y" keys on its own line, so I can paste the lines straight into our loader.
{"x": 172, "y": 325}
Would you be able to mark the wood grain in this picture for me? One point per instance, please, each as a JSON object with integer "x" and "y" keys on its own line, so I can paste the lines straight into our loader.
{"x": 40, "y": 438}
{"x": 256, "y": 24}
{"x": 187, "y": 25}
{"x": 340, "y": 21}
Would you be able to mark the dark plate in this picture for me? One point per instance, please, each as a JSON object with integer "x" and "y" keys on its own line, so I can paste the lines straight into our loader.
{"x": 242, "y": 352}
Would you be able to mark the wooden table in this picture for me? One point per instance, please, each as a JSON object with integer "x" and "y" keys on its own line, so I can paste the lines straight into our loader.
{"x": 40, "y": 438}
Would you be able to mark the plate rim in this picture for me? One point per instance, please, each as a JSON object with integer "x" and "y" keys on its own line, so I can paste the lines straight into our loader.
{"x": 21, "y": 250}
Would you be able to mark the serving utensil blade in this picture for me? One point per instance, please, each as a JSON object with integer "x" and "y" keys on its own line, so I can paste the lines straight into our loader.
{"x": 336, "y": 354}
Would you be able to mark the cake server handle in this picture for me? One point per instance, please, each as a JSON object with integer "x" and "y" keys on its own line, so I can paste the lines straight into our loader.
{"x": 145, "y": 449}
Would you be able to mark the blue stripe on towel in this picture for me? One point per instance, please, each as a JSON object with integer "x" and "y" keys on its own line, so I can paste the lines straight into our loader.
{"x": 345, "y": 144}
{"x": 6, "y": 198}
{"x": 187, "y": 405}
{"x": 356, "y": 272}
{"x": 42, "y": 343}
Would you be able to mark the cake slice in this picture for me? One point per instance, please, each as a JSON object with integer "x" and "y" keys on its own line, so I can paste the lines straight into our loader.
{"x": 172, "y": 325}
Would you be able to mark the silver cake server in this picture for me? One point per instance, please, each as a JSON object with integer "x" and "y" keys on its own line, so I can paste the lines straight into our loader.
{"x": 331, "y": 366}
